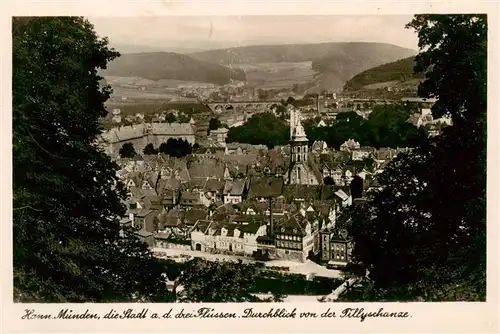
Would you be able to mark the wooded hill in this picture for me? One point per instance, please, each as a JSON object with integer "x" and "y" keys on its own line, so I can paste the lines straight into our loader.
{"x": 169, "y": 65}
{"x": 334, "y": 63}
{"x": 322, "y": 54}
{"x": 398, "y": 72}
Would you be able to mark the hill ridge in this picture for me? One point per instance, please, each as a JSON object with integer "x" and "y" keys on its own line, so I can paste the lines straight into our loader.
{"x": 171, "y": 65}
{"x": 397, "y": 71}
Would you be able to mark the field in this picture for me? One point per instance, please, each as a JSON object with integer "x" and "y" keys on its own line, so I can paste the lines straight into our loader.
{"x": 137, "y": 94}
{"x": 277, "y": 75}
{"x": 394, "y": 84}
{"x": 149, "y": 109}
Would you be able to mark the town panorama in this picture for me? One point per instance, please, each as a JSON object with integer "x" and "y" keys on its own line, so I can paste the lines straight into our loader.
{"x": 256, "y": 173}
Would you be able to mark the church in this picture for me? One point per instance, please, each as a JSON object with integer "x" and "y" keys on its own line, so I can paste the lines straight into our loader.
{"x": 300, "y": 170}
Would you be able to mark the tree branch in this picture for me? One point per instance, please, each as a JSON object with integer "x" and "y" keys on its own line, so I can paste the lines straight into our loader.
{"x": 26, "y": 207}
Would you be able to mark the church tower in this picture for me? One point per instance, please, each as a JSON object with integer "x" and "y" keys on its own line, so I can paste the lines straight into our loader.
{"x": 299, "y": 172}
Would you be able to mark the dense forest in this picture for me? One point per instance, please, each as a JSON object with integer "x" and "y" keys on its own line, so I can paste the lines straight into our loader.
{"x": 401, "y": 70}
{"x": 373, "y": 53}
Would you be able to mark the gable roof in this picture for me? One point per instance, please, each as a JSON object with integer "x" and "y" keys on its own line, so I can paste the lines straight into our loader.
{"x": 235, "y": 187}
{"x": 266, "y": 187}
{"x": 306, "y": 192}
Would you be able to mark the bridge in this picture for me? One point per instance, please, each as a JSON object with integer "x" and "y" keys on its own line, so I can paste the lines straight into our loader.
{"x": 259, "y": 106}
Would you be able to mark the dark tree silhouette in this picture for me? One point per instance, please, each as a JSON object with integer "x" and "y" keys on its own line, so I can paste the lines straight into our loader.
{"x": 127, "y": 151}
{"x": 356, "y": 187}
{"x": 150, "y": 149}
{"x": 67, "y": 245}
{"x": 176, "y": 147}
{"x": 328, "y": 180}
{"x": 170, "y": 118}
{"x": 261, "y": 129}
{"x": 214, "y": 124}
{"x": 423, "y": 236}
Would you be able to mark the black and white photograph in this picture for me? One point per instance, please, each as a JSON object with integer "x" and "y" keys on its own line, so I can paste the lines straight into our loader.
{"x": 249, "y": 159}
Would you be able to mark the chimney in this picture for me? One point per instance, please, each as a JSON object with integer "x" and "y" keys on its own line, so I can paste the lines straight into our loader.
{"x": 271, "y": 222}
{"x": 317, "y": 103}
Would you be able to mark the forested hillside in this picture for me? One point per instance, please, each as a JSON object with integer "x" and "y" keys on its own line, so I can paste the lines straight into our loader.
{"x": 168, "y": 65}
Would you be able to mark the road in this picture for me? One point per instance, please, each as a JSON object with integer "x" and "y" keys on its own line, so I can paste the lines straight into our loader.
{"x": 307, "y": 268}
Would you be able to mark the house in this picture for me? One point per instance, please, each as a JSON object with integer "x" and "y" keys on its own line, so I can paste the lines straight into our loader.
{"x": 170, "y": 223}
{"x": 384, "y": 154}
{"x": 292, "y": 239}
{"x": 336, "y": 247}
{"x": 319, "y": 147}
{"x": 217, "y": 237}
{"x": 345, "y": 199}
{"x": 235, "y": 190}
{"x": 190, "y": 198}
{"x": 349, "y": 145}
{"x": 251, "y": 232}
{"x": 193, "y": 215}
{"x": 219, "y": 136}
{"x": 145, "y": 220}
{"x": 362, "y": 153}
{"x": 146, "y": 237}
{"x": 300, "y": 193}
{"x": 265, "y": 187}
{"x": 321, "y": 124}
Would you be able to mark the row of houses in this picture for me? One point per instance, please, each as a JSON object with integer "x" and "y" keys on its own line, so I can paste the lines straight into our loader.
{"x": 289, "y": 228}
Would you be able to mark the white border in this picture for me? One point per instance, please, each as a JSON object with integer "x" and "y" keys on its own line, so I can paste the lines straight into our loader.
{"x": 426, "y": 317}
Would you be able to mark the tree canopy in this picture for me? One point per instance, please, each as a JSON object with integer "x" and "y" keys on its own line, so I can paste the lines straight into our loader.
{"x": 67, "y": 245}
{"x": 206, "y": 281}
{"x": 149, "y": 149}
{"x": 261, "y": 129}
{"x": 176, "y": 147}
{"x": 214, "y": 124}
{"x": 423, "y": 236}
{"x": 127, "y": 151}
{"x": 386, "y": 126}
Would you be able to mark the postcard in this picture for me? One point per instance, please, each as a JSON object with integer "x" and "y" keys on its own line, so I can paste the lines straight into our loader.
{"x": 249, "y": 166}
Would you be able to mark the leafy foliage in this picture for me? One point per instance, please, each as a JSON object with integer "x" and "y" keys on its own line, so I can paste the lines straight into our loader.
{"x": 170, "y": 118}
{"x": 386, "y": 126}
{"x": 328, "y": 181}
{"x": 207, "y": 281}
{"x": 423, "y": 236}
{"x": 176, "y": 148}
{"x": 261, "y": 129}
{"x": 150, "y": 150}
{"x": 67, "y": 201}
{"x": 214, "y": 124}
{"x": 127, "y": 151}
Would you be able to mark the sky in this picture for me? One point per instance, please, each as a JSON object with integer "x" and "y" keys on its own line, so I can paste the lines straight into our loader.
{"x": 209, "y": 32}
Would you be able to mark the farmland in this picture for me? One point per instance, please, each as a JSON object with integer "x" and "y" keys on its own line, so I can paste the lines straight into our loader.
{"x": 277, "y": 75}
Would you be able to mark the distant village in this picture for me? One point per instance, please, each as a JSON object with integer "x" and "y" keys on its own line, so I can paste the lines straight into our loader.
{"x": 285, "y": 203}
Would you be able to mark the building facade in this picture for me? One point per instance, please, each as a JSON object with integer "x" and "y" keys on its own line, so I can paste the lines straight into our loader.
{"x": 299, "y": 171}
{"x": 140, "y": 135}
